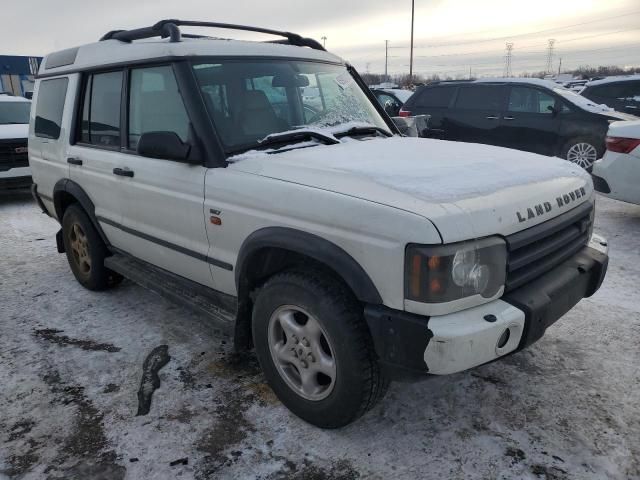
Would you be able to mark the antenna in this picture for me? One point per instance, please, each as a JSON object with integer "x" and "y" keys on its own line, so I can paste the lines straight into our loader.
{"x": 551, "y": 42}
{"x": 507, "y": 60}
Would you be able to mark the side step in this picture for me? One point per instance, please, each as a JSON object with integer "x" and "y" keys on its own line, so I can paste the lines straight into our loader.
{"x": 220, "y": 307}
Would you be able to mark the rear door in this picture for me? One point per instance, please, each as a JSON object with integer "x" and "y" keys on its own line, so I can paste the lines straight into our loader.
{"x": 477, "y": 114}
{"x": 47, "y": 142}
{"x": 95, "y": 151}
{"x": 530, "y": 122}
{"x": 163, "y": 218}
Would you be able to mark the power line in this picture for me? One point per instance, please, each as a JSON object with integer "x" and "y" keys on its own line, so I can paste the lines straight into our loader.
{"x": 520, "y": 35}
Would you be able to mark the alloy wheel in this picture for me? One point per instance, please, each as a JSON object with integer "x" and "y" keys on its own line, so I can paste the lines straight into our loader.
{"x": 301, "y": 352}
{"x": 582, "y": 154}
{"x": 80, "y": 249}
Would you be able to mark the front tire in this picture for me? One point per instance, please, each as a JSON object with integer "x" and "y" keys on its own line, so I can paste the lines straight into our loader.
{"x": 315, "y": 349}
{"x": 86, "y": 251}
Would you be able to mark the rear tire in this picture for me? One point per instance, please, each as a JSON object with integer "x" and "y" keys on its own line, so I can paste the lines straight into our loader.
{"x": 583, "y": 151}
{"x": 86, "y": 251}
{"x": 331, "y": 378}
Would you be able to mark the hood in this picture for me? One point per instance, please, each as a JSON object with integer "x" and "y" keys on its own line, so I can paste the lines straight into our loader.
{"x": 14, "y": 131}
{"x": 467, "y": 190}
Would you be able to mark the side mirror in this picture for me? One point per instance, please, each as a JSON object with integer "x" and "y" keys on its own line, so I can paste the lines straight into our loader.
{"x": 165, "y": 145}
{"x": 552, "y": 109}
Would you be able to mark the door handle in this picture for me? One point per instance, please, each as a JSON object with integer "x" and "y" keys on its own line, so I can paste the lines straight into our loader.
{"x": 123, "y": 172}
{"x": 74, "y": 161}
{"x": 492, "y": 117}
{"x": 508, "y": 118}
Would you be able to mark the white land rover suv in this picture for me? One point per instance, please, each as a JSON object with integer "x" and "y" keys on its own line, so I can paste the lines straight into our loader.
{"x": 304, "y": 226}
{"x": 14, "y": 128}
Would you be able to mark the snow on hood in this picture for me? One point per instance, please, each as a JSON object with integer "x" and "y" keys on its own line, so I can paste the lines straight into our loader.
{"x": 14, "y": 131}
{"x": 436, "y": 171}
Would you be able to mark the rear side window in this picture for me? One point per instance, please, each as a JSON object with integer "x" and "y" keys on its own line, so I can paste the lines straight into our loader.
{"x": 101, "y": 110}
{"x": 437, "y": 97}
{"x": 51, "y": 96}
{"x": 480, "y": 97}
{"x": 155, "y": 104}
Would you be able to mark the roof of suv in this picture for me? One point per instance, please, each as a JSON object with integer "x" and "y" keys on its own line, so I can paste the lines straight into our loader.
{"x": 111, "y": 50}
{"x": 616, "y": 79}
{"x": 523, "y": 81}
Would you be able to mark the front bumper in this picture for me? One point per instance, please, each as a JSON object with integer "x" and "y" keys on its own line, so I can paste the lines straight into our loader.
{"x": 19, "y": 177}
{"x": 410, "y": 346}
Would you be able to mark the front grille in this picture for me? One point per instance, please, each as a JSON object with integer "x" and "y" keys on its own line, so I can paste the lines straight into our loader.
{"x": 9, "y": 158}
{"x": 538, "y": 249}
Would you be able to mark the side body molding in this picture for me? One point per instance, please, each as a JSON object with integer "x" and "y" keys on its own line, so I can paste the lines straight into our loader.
{"x": 314, "y": 247}
{"x": 72, "y": 188}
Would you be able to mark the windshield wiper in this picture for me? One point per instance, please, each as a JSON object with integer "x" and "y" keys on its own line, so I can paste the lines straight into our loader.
{"x": 282, "y": 139}
{"x": 363, "y": 130}
{"x": 301, "y": 135}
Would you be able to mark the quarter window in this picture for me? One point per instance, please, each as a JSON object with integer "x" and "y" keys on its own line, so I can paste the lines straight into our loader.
{"x": 101, "y": 110}
{"x": 155, "y": 104}
{"x": 51, "y": 96}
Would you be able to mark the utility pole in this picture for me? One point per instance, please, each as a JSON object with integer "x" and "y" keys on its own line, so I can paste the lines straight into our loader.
{"x": 386, "y": 59}
{"x": 560, "y": 66}
{"x": 324, "y": 41}
{"x": 551, "y": 43}
{"x": 507, "y": 60}
{"x": 469, "y": 72}
{"x": 411, "y": 54}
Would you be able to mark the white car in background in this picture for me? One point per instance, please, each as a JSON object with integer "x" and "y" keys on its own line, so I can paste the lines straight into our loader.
{"x": 617, "y": 175}
{"x": 14, "y": 131}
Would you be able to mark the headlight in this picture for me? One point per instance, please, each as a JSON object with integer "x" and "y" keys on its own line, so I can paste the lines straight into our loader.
{"x": 444, "y": 273}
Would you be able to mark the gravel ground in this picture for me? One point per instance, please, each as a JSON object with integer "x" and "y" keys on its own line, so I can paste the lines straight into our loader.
{"x": 71, "y": 364}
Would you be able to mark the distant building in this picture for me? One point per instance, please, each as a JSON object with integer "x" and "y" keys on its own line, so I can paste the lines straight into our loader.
{"x": 17, "y": 72}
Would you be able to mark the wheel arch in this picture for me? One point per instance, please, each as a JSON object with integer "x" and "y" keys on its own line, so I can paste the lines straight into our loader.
{"x": 66, "y": 192}
{"x": 270, "y": 250}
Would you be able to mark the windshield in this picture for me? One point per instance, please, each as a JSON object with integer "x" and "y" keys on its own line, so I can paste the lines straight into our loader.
{"x": 250, "y": 100}
{"x": 14, "y": 112}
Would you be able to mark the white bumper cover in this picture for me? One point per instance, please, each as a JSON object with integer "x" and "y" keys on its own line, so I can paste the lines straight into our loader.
{"x": 465, "y": 339}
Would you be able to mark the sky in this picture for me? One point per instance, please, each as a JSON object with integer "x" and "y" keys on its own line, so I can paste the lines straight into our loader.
{"x": 452, "y": 37}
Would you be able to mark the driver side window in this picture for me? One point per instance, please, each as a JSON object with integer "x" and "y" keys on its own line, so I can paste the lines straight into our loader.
{"x": 155, "y": 104}
{"x": 530, "y": 100}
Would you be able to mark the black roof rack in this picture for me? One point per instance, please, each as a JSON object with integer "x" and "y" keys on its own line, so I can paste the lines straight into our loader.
{"x": 169, "y": 28}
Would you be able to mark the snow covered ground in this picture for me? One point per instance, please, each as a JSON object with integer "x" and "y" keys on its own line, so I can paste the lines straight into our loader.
{"x": 71, "y": 362}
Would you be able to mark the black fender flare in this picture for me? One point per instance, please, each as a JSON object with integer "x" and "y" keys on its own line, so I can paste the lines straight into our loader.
{"x": 75, "y": 190}
{"x": 312, "y": 246}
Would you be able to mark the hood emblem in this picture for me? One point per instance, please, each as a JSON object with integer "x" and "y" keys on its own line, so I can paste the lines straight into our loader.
{"x": 545, "y": 207}
{"x": 20, "y": 150}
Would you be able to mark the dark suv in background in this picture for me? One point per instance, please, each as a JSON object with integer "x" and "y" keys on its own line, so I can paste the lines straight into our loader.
{"x": 621, "y": 93}
{"x": 528, "y": 114}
